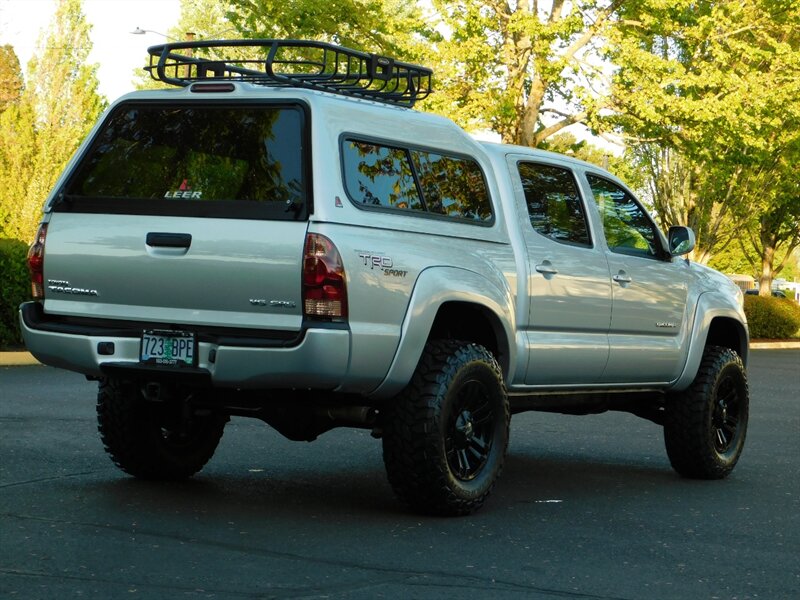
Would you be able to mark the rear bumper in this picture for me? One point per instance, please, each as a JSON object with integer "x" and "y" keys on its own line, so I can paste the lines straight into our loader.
{"x": 316, "y": 359}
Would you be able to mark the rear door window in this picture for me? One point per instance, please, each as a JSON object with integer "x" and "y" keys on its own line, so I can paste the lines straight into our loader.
{"x": 554, "y": 203}
{"x": 196, "y": 159}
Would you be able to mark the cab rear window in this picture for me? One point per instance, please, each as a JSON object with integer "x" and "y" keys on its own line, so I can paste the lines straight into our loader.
{"x": 215, "y": 160}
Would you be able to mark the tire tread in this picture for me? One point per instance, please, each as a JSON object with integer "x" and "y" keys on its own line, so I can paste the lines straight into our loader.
{"x": 127, "y": 432}
{"x": 686, "y": 434}
{"x": 417, "y": 473}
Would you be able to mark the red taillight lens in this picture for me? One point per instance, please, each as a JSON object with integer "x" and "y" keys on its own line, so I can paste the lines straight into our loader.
{"x": 36, "y": 263}
{"x": 324, "y": 290}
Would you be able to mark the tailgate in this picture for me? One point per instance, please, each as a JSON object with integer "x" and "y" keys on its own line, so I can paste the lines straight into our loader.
{"x": 189, "y": 213}
{"x": 214, "y": 272}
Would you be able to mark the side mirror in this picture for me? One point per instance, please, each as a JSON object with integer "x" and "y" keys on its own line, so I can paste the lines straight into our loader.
{"x": 681, "y": 240}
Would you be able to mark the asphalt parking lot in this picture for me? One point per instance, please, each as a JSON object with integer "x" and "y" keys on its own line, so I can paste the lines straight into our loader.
{"x": 588, "y": 507}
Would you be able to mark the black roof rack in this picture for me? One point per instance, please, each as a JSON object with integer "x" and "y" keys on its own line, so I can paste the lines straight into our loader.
{"x": 291, "y": 63}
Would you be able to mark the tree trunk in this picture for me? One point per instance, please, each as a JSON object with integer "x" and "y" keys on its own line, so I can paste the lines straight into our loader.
{"x": 765, "y": 279}
{"x": 526, "y": 134}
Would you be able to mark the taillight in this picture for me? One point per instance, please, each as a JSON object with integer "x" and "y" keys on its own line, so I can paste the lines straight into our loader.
{"x": 36, "y": 263}
{"x": 324, "y": 290}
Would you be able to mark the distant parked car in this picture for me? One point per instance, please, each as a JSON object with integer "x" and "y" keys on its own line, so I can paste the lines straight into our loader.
{"x": 775, "y": 293}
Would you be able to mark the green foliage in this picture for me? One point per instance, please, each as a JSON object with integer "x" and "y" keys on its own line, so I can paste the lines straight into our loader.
{"x": 199, "y": 19}
{"x": 731, "y": 260}
{"x": 386, "y": 26}
{"x": 523, "y": 70}
{"x": 771, "y": 218}
{"x": 18, "y": 153}
{"x": 712, "y": 90}
{"x": 673, "y": 188}
{"x": 621, "y": 166}
{"x": 15, "y": 290}
{"x": 10, "y": 77}
{"x": 392, "y": 27}
{"x": 40, "y": 132}
{"x": 772, "y": 318}
{"x": 791, "y": 266}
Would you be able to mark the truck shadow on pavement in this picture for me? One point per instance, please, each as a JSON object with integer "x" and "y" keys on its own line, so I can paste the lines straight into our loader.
{"x": 365, "y": 492}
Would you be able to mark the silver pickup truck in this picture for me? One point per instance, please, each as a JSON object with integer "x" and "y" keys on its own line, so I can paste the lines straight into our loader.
{"x": 285, "y": 238}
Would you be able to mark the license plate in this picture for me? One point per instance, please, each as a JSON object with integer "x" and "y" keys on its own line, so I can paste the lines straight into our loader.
{"x": 170, "y": 348}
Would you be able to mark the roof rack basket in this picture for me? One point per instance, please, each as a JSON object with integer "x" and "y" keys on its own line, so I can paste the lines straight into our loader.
{"x": 291, "y": 63}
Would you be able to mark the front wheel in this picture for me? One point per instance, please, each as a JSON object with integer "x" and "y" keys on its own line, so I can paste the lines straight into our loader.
{"x": 154, "y": 440}
{"x": 706, "y": 425}
{"x": 445, "y": 436}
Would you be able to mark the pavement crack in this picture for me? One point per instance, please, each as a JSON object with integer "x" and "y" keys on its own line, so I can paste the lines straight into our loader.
{"x": 128, "y": 583}
{"x": 418, "y": 578}
{"x": 52, "y": 478}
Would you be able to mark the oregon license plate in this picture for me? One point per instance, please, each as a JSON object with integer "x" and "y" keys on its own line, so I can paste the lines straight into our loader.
{"x": 171, "y": 348}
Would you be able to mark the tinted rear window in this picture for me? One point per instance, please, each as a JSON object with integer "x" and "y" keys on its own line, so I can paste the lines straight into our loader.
{"x": 245, "y": 160}
{"x": 415, "y": 181}
{"x": 554, "y": 203}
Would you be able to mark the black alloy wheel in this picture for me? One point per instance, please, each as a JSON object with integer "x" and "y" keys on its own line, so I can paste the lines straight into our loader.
{"x": 445, "y": 436}
{"x": 470, "y": 430}
{"x": 705, "y": 426}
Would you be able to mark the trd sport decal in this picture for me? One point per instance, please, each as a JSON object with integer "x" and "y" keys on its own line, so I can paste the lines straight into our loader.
{"x": 384, "y": 263}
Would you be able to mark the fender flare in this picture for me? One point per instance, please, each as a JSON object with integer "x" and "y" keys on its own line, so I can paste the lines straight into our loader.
{"x": 434, "y": 287}
{"x": 711, "y": 306}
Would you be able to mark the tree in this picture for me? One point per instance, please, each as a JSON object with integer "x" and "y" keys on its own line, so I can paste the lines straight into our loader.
{"x": 771, "y": 229}
{"x": 523, "y": 69}
{"x": 57, "y": 109}
{"x": 520, "y": 69}
{"x": 681, "y": 193}
{"x": 18, "y": 158}
{"x": 199, "y": 19}
{"x": 393, "y": 27}
{"x": 620, "y": 165}
{"x": 10, "y": 77}
{"x": 714, "y": 86}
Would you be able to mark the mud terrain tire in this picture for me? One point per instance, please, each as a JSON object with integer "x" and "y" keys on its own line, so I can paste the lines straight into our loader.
{"x": 445, "y": 436}
{"x": 152, "y": 441}
{"x": 706, "y": 425}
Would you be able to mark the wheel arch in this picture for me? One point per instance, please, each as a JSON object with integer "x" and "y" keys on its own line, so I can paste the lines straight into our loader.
{"x": 452, "y": 303}
{"x": 729, "y": 333}
{"x": 472, "y": 322}
{"x": 717, "y": 326}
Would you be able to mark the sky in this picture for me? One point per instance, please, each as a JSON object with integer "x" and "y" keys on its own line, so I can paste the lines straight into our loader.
{"x": 117, "y": 52}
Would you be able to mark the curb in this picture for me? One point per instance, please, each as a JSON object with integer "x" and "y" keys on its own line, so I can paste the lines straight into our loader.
{"x": 775, "y": 345}
{"x": 23, "y": 359}
{"x": 17, "y": 359}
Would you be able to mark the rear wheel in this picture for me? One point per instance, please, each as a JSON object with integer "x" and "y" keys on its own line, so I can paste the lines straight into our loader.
{"x": 445, "y": 436}
{"x": 154, "y": 440}
{"x": 706, "y": 425}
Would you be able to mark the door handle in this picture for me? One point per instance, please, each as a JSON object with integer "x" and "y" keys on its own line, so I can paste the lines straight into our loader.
{"x": 169, "y": 240}
{"x": 546, "y": 268}
{"x": 622, "y": 278}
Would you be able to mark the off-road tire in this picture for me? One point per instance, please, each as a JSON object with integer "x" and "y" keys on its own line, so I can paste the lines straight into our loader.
{"x": 152, "y": 441}
{"x": 706, "y": 425}
{"x": 445, "y": 436}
